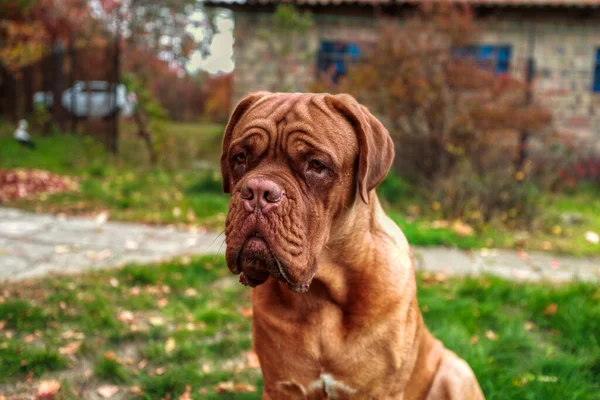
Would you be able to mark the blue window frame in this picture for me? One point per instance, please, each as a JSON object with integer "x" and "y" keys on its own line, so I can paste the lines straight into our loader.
{"x": 334, "y": 57}
{"x": 491, "y": 57}
{"x": 596, "y": 87}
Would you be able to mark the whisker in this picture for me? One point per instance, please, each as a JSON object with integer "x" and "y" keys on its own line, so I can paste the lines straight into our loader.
{"x": 214, "y": 240}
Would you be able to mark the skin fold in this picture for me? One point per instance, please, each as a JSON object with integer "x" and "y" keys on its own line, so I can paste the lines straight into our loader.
{"x": 335, "y": 312}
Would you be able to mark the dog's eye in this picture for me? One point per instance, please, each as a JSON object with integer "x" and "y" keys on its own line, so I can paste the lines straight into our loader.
{"x": 239, "y": 158}
{"x": 316, "y": 165}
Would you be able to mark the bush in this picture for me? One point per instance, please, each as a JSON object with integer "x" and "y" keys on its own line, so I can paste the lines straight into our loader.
{"x": 454, "y": 120}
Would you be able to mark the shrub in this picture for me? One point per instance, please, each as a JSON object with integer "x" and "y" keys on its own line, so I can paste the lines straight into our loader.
{"x": 454, "y": 120}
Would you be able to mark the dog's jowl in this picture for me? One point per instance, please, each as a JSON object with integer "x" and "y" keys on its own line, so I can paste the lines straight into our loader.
{"x": 335, "y": 313}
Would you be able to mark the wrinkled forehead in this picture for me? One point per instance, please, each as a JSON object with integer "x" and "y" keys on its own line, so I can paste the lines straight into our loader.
{"x": 281, "y": 114}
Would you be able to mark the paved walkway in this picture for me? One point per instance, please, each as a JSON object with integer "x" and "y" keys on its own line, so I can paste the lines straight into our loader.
{"x": 36, "y": 244}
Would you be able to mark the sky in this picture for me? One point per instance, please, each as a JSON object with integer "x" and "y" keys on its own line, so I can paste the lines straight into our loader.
{"x": 220, "y": 59}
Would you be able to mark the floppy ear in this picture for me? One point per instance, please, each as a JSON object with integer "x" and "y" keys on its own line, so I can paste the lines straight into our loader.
{"x": 375, "y": 146}
{"x": 237, "y": 114}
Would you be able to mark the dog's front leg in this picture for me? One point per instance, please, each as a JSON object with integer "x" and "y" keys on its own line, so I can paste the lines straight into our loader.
{"x": 455, "y": 380}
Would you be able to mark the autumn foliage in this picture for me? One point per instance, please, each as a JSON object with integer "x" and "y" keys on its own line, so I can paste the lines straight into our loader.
{"x": 455, "y": 122}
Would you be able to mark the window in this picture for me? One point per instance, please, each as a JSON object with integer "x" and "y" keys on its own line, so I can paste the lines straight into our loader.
{"x": 596, "y": 87}
{"x": 334, "y": 58}
{"x": 491, "y": 57}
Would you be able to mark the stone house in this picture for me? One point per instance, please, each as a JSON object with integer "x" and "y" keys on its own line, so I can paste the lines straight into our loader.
{"x": 563, "y": 36}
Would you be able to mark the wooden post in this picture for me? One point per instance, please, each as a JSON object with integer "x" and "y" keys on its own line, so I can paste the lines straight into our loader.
{"x": 58, "y": 86}
{"x": 113, "y": 139}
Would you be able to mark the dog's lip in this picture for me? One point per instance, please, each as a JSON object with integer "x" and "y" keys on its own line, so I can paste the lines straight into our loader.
{"x": 298, "y": 287}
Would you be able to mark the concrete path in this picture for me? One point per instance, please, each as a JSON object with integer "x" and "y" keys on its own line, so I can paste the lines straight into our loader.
{"x": 36, "y": 244}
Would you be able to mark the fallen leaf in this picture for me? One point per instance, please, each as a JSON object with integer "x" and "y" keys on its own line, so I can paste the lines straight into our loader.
{"x": 169, "y": 345}
{"x": 206, "y": 368}
{"x": 69, "y": 334}
{"x": 547, "y": 246}
{"x": 225, "y": 387}
{"x": 156, "y": 321}
{"x": 176, "y": 212}
{"x": 252, "y": 359}
{"x": 190, "y": 292}
{"x": 187, "y": 395}
{"x": 131, "y": 245}
{"x": 528, "y": 325}
{"x": 126, "y": 316}
{"x": 557, "y": 230}
{"x": 107, "y": 391}
{"x": 102, "y": 218}
{"x": 592, "y": 237}
{"x": 244, "y": 388}
{"x": 551, "y": 309}
{"x": 246, "y": 312}
{"x": 159, "y": 371}
{"x": 135, "y": 291}
{"x": 2, "y": 324}
{"x": 142, "y": 364}
{"x": 162, "y": 303}
{"x": 70, "y": 348}
{"x": 48, "y": 389}
{"x": 30, "y": 338}
{"x": 522, "y": 255}
{"x": 136, "y": 391}
{"x": 114, "y": 282}
{"x": 439, "y": 223}
{"x": 62, "y": 305}
{"x": 112, "y": 356}
{"x": 491, "y": 335}
{"x": 462, "y": 229}
{"x": 554, "y": 264}
{"x": 186, "y": 260}
{"x": 474, "y": 339}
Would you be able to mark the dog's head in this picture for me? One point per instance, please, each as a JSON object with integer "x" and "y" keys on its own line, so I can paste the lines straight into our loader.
{"x": 294, "y": 163}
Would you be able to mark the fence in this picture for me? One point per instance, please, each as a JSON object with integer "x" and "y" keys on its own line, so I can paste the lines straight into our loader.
{"x": 59, "y": 88}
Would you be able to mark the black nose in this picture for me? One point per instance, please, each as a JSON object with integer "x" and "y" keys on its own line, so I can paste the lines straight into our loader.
{"x": 261, "y": 193}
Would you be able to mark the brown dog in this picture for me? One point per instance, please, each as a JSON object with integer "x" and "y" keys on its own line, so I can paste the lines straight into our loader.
{"x": 335, "y": 306}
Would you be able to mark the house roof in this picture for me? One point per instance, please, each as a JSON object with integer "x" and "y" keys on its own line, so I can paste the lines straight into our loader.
{"x": 508, "y": 3}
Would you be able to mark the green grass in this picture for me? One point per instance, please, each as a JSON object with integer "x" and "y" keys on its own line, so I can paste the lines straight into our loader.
{"x": 536, "y": 354}
{"x": 182, "y": 189}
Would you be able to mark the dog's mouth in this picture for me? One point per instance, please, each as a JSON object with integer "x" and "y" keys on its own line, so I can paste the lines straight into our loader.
{"x": 256, "y": 262}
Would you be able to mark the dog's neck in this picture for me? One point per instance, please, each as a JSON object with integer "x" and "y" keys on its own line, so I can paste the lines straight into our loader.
{"x": 363, "y": 237}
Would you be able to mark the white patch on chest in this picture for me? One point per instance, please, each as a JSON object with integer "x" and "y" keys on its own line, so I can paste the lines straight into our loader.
{"x": 326, "y": 383}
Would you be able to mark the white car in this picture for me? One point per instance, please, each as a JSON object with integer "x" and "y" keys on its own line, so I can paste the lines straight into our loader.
{"x": 92, "y": 99}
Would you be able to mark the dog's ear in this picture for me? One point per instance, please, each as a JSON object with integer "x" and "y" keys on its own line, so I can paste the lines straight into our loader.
{"x": 375, "y": 146}
{"x": 243, "y": 106}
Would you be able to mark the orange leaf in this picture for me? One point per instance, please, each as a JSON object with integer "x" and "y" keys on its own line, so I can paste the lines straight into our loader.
{"x": 246, "y": 312}
{"x": 551, "y": 309}
{"x": 253, "y": 361}
{"x": 48, "y": 389}
{"x": 107, "y": 391}
{"x": 70, "y": 348}
{"x": 491, "y": 335}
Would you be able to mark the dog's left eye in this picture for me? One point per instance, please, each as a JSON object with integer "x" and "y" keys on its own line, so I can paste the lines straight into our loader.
{"x": 316, "y": 165}
{"x": 239, "y": 158}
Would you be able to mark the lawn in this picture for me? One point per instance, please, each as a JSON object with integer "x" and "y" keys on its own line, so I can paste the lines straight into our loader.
{"x": 152, "y": 331}
{"x": 185, "y": 189}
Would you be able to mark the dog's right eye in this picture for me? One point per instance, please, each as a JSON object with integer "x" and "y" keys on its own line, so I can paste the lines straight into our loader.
{"x": 239, "y": 158}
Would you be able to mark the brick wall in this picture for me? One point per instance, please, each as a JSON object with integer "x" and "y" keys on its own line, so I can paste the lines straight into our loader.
{"x": 564, "y": 53}
{"x": 564, "y": 50}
